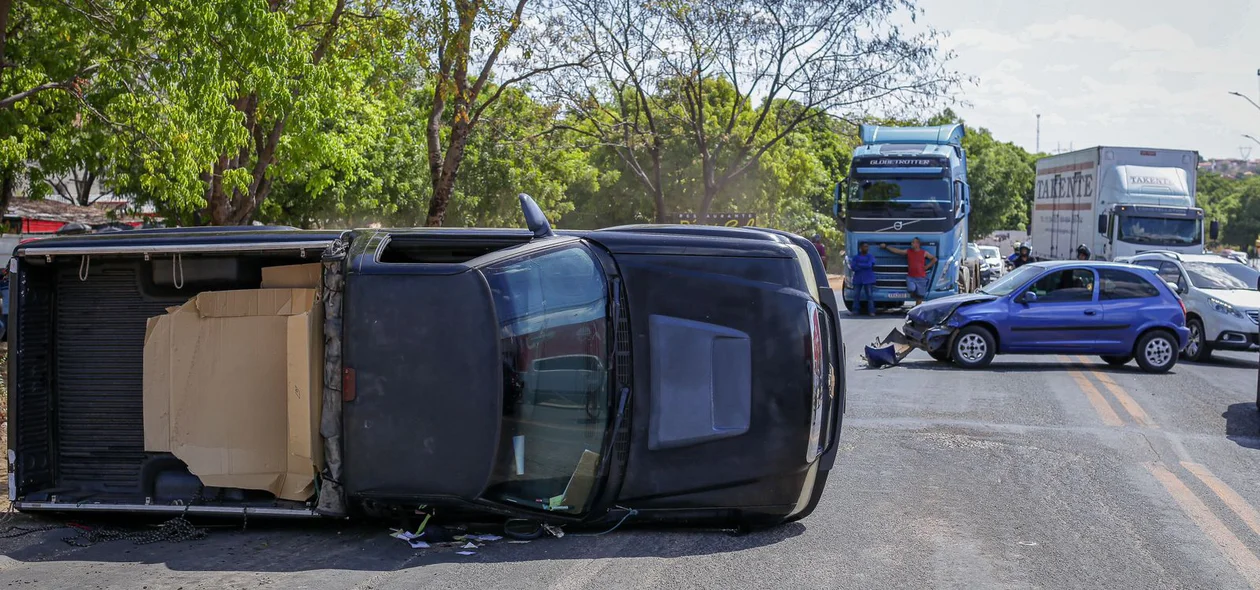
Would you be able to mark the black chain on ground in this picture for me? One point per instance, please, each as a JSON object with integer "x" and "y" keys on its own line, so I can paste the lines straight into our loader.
{"x": 175, "y": 530}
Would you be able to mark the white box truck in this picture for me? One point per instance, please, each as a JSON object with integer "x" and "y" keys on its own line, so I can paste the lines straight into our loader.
{"x": 1117, "y": 201}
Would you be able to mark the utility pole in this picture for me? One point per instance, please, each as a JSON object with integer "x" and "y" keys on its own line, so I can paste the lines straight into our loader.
{"x": 1039, "y": 133}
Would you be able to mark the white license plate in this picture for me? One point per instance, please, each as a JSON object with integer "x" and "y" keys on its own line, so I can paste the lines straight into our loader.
{"x": 897, "y": 295}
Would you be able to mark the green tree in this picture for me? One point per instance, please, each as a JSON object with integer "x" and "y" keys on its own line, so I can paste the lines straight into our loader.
{"x": 469, "y": 40}
{"x": 1000, "y": 179}
{"x": 240, "y": 93}
{"x": 54, "y": 56}
{"x": 715, "y": 77}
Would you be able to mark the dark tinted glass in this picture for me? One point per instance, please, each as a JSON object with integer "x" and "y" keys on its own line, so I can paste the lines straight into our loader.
{"x": 1122, "y": 284}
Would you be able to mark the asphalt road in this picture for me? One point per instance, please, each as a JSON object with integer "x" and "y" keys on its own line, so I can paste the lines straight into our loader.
{"x": 1041, "y": 472}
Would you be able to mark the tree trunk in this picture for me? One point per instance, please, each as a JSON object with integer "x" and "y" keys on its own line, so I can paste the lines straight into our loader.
{"x": 8, "y": 184}
{"x": 444, "y": 181}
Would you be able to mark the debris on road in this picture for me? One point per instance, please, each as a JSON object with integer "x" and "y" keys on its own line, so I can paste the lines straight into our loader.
{"x": 888, "y": 351}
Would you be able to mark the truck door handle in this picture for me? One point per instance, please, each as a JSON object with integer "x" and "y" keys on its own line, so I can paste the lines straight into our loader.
{"x": 1090, "y": 312}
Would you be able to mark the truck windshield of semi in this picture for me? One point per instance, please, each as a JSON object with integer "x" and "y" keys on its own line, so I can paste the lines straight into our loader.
{"x": 906, "y": 183}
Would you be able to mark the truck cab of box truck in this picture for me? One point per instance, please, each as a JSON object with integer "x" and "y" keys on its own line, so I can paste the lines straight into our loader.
{"x": 1145, "y": 208}
{"x": 906, "y": 183}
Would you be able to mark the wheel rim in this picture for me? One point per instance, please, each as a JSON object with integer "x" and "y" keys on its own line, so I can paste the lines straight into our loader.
{"x": 1196, "y": 340}
{"x": 1159, "y": 351}
{"x": 972, "y": 348}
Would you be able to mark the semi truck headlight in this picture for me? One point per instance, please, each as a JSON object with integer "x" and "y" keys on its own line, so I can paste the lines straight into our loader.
{"x": 945, "y": 276}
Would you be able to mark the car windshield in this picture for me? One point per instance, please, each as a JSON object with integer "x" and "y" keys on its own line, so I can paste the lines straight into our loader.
{"x": 552, "y": 312}
{"x": 973, "y": 252}
{"x": 1227, "y": 275}
{"x": 990, "y": 252}
{"x": 1158, "y": 230}
{"x": 1012, "y": 281}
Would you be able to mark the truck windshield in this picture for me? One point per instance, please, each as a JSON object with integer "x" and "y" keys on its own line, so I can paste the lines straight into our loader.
{"x": 903, "y": 190}
{"x": 553, "y": 322}
{"x": 1160, "y": 231}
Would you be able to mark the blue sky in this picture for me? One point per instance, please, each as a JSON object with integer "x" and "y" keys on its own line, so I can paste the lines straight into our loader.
{"x": 1148, "y": 73}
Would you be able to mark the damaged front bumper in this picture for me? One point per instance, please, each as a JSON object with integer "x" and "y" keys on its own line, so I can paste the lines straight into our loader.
{"x": 928, "y": 338}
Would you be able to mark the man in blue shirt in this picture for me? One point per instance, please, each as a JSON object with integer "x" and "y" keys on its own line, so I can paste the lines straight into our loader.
{"x": 863, "y": 266}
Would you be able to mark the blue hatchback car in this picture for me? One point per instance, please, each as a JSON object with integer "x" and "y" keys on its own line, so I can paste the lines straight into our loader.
{"x": 1120, "y": 312}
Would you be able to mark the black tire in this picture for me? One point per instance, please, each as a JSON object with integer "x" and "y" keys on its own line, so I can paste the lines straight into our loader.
{"x": 941, "y": 355}
{"x": 1117, "y": 361}
{"x": 973, "y": 348}
{"x": 849, "y": 305}
{"x": 1198, "y": 350}
{"x": 1156, "y": 351}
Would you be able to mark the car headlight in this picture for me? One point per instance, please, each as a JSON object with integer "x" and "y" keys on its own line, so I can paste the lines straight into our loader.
{"x": 1225, "y": 308}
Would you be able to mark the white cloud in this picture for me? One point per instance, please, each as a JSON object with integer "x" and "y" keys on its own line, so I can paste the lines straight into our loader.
{"x": 984, "y": 40}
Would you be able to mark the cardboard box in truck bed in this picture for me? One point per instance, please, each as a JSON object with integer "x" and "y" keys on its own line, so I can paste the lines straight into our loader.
{"x": 232, "y": 383}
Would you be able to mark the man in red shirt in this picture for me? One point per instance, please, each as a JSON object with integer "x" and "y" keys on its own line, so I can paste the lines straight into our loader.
{"x": 919, "y": 261}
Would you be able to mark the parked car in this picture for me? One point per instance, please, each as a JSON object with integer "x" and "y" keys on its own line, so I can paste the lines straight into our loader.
{"x": 1222, "y": 303}
{"x": 692, "y": 374}
{"x": 993, "y": 256}
{"x": 1117, "y": 311}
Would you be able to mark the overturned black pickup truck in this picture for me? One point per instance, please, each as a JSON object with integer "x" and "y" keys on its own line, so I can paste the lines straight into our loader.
{"x": 694, "y": 375}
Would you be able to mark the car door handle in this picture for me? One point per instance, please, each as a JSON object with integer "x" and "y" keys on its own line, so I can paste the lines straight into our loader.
{"x": 1091, "y": 312}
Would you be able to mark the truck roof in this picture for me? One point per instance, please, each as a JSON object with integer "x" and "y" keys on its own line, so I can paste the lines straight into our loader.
{"x": 950, "y": 134}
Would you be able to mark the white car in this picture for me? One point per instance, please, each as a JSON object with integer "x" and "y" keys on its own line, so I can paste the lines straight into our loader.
{"x": 1221, "y": 297}
{"x": 993, "y": 255}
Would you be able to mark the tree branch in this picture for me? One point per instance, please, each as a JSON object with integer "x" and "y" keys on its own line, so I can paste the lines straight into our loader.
{"x": 67, "y": 85}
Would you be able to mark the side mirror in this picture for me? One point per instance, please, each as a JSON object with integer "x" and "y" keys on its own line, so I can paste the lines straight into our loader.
{"x": 1102, "y": 224}
{"x": 1027, "y": 297}
{"x": 1175, "y": 287}
{"x": 1214, "y": 230}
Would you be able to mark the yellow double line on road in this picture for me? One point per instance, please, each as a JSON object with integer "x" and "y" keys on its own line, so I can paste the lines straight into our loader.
{"x": 1100, "y": 403}
{"x": 1230, "y": 545}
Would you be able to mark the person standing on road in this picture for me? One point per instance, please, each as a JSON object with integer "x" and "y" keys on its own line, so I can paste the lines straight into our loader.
{"x": 918, "y": 262}
{"x": 863, "y": 265}
{"x": 821, "y": 247}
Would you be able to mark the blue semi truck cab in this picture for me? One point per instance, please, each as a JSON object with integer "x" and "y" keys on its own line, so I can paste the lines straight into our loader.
{"x": 906, "y": 183}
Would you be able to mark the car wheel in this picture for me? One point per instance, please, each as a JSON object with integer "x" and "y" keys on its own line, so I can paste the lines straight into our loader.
{"x": 1197, "y": 349}
{"x": 940, "y": 354}
{"x": 848, "y": 304}
{"x": 1156, "y": 352}
{"x": 1117, "y": 361}
{"x": 973, "y": 348}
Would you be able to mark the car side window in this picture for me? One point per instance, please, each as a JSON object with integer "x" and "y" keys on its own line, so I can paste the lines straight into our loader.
{"x": 1121, "y": 284}
{"x": 1071, "y": 285}
{"x": 1169, "y": 273}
